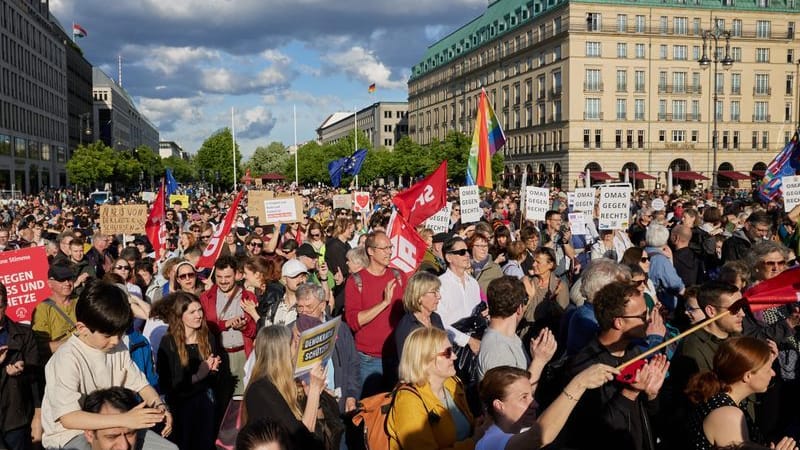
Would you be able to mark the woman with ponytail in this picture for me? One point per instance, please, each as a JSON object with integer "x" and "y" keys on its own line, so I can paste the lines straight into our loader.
{"x": 742, "y": 367}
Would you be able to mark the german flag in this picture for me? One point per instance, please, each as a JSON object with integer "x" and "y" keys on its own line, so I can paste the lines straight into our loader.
{"x": 371, "y": 88}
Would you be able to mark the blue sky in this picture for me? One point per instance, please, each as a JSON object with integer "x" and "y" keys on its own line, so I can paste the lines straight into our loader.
{"x": 187, "y": 62}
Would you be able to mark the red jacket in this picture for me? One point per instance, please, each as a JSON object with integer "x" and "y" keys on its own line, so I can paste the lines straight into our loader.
{"x": 209, "y": 301}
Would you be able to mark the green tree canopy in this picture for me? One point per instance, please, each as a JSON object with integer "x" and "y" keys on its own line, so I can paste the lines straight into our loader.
{"x": 272, "y": 158}
{"x": 183, "y": 170}
{"x": 215, "y": 157}
{"x": 152, "y": 165}
{"x": 91, "y": 164}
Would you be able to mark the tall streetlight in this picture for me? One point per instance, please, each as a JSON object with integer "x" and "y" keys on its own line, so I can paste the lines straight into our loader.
{"x": 88, "y": 129}
{"x": 708, "y": 36}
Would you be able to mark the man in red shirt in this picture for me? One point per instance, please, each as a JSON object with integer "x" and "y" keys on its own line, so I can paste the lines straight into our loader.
{"x": 373, "y": 307}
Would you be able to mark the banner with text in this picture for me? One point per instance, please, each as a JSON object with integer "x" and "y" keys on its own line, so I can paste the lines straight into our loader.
{"x": 615, "y": 205}
{"x": 316, "y": 345}
{"x": 408, "y": 247}
{"x": 470, "y": 201}
{"x": 790, "y": 186}
{"x": 577, "y": 223}
{"x": 584, "y": 200}
{"x": 24, "y": 274}
{"x": 342, "y": 201}
{"x": 123, "y": 219}
{"x": 537, "y": 202}
{"x": 440, "y": 222}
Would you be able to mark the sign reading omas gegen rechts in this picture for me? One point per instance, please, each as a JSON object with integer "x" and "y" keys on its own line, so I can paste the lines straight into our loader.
{"x": 790, "y": 187}
{"x": 615, "y": 206}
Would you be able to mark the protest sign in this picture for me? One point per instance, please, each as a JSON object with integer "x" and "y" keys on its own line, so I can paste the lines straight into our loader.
{"x": 470, "y": 204}
{"x": 537, "y": 202}
{"x": 316, "y": 345}
{"x": 577, "y": 223}
{"x": 615, "y": 203}
{"x": 440, "y": 222}
{"x": 790, "y": 186}
{"x": 361, "y": 202}
{"x": 148, "y": 196}
{"x": 280, "y": 212}
{"x": 24, "y": 274}
{"x": 584, "y": 200}
{"x": 123, "y": 219}
{"x": 342, "y": 201}
{"x": 658, "y": 204}
{"x": 182, "y": 197}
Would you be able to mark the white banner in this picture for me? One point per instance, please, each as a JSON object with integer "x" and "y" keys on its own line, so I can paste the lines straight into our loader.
{"x": 470, "y": 204}
{"x": 577, "y": 223}
{"x": 537, "y": 202}
{"x": 584, "y": 200}
{"x": 440, "y": 222}
{"x": 790, "y": 186}
{"x": 615, "y": 206}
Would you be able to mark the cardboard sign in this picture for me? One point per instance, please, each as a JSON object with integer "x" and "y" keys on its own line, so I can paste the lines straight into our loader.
{"x": 280, "y": 212}
{"x": 577, "y": 223}
{"x": 790, "y": 186}
{"x": 584, "y": 200}
{"x": 537, "y": 202}
{"x": 470, "y": 204}
{"x": 361, "y": 202}
{"x": 123, "y": 219}
{"x": 258, "y": 182}
{"x": 440, "y": 222}
{"x": 343, "y": 201}
{"x": 182, "y": 197}
{"x": 148, "y": 197}
{"x": 615, "y": 206}
{"x": 24, "y": 274}
{"x": 316, "y": 345}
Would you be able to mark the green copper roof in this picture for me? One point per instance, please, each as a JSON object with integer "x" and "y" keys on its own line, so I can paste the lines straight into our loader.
{"x": 502, "y": 16}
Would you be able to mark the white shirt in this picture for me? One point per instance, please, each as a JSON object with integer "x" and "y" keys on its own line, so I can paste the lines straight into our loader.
{"x": 458, "y": 301}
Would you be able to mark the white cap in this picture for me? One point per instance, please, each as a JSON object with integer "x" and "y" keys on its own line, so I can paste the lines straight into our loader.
{"x": 293, "y": 268}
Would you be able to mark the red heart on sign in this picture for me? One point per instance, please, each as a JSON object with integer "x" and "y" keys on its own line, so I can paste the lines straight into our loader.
{"x": 362, "y": 200}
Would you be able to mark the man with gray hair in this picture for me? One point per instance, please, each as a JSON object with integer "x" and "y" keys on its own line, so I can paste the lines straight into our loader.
{"x": 662, "y": 273}
{"x": 344, "y": 366}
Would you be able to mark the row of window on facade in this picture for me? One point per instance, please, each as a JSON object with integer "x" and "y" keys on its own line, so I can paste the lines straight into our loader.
{"x": 681, "y": 26}
{"x": 729, "y": 139}
{"x": 680, "y": 112}
{"x": 27, "y": 92}
{"x": 387, "y": 114}
{"x": 32, "y": 35}
{"x": 31, "y": 149}
{"x": 594, "y": 49}
{"x": 680, "y": 82}
{"x": 397, "y": 128}
{"x": 30, "y": 65}
{"x": 23, "y": 120}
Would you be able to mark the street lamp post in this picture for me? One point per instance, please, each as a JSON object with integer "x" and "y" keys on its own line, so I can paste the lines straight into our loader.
{"x": 81, "y": 130}
{"x": 708, "y": 36}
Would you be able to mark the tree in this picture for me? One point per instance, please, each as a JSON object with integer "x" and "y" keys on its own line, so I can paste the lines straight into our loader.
{"x": 183, "y": 170}
{"x": 151, "y": 163}
{"x": 127, "y": 169}
{"x": 91, "y": 165}
{"x": 269, "y": 159}
{"x": 214, "y": 157}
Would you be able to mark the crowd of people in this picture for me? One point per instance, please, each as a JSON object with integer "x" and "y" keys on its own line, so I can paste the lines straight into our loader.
{"x": 508, "y": 335}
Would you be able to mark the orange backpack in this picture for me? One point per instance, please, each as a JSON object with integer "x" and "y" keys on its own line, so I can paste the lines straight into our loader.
{"x": 372, "y": 413}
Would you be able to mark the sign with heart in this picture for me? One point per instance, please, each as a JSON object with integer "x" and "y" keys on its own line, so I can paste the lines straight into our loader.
{"x": 361, "y": 201}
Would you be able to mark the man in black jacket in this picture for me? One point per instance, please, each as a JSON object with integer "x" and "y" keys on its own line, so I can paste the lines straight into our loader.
{"x": 617, "y": 412}
{"x": 336, "y": 258}
{"x": 757, "y": 227}
{"x": 20, "y": 383}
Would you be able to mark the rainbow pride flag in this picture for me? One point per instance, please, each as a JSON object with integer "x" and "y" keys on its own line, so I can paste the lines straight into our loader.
{"x": 487, "y": 139}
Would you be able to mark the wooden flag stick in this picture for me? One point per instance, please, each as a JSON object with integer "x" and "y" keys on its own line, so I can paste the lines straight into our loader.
{"x": 674, "y": 339}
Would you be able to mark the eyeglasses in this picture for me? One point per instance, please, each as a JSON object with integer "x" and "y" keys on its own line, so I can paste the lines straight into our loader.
{"x": 643, "y": 316}
{"x": 205, "y": 236}
{"x": 122, "y": 267}
{"x": 735, "y": 307}
{"x": 447, "y": 353}
{"x": 480, "y": 245}
{"x": 433, "y": 291}
{"x": 645, "y": 259}
{"x": 460, "y": 252}
{"x": 388, "y": 247}
{"x": 690, "y": 309}
{"x": 187, "y": 276}
{"x": 639, "y": 282}
{"x": 255, "y": 244}
{"x": 774, "y": 263}
{"x": 315, "y": 235}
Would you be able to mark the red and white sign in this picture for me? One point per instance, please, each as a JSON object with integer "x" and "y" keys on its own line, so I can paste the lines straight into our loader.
{"x": 425, "y": 198}
{"x": 361, "y": 202}
{"x": 211, "y": 252}
{"x": 24, "y": 274}
{"x": 408, "y": 248}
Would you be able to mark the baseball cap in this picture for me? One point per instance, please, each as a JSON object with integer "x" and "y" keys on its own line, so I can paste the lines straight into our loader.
{"x": 439, "y": 238}
{"x": 293, "y": 268}
{"x": 307, "y": 250}
{"x": 60, "y": 272}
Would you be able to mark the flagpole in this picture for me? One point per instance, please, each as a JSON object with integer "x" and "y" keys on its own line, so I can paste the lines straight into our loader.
{"x": 233, "y": 140}
{"x": 296, "y": 178}
{"x": 73, "y": 32}
{"x": 355, "y": 137}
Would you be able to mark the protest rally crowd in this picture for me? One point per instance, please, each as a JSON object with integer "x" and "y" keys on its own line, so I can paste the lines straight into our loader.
{"x": 497, "y": 331}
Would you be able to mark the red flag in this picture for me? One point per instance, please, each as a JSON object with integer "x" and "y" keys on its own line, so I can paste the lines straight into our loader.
{"x": 425, "y": 198}
{"x": 781, "y": 290}
{"x": 155, "y": 227}
{"x": 217, "y": 240}
{"x": 408, "y": 248}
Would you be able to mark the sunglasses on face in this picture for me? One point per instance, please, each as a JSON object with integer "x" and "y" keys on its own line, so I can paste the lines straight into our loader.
{"x": 255, "y": 244}
{"x": 735, "y": 307}
{"x": 643, "y": 316}
{"x": 204, "y": 237}
{"x": 122, "y": 267}
{"x": 639, "y": 282}
{"x": 447, "y": 353}
{"x": 461, "y": 252}
{"x": 187, "y": 276}
{"x": 315, "y": 235}
{"x": 645, "y": 259}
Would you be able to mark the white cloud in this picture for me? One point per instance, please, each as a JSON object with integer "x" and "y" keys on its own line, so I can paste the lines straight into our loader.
{"x": 169, "y": 60}
{"x": 168, "y": 112}
{"x": 255, "y": 123}
{"x": 276, "y": 57}
{"x": 363, "y": 65}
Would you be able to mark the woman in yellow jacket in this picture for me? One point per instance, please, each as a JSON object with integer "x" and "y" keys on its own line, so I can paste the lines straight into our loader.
{"x": 430, "y": 408}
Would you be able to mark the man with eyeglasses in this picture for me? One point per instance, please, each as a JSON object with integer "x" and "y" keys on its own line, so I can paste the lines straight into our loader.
{"x": 54, "y": 318}
{"x": 206, "y": 231}
{"x": 757, "y": 227}
{"x": 617, "y": 412}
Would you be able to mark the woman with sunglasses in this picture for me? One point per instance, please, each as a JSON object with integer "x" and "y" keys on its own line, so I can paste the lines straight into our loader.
{"x": 636, "y": 256}
{"x": 185, "y": 279}
{"x": 124, "y": 268}
{"x": 316, "y": 237}
{"x": 253, "y": 245}
{"x": 742, "y": 367}
{"x": 430, "y": 409}
{"x": 460, "y": 293}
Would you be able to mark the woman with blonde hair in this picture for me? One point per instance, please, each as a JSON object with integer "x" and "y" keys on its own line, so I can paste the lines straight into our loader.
{"x": 187, "y": 365}
{"x": 430, "y": 411}
{"x": 420, "y": 300}
{"x": 272, "y": 392}
{"x": 186, "y": 240}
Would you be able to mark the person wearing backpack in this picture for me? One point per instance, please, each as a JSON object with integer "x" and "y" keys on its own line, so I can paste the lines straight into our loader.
{"x": 430, "y": 409}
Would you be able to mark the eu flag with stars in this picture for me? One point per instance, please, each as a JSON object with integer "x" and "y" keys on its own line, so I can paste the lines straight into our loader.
{"x": 171, "y": 184}
{"x": 335, "y": 169}
{"x": 355, "y": 162}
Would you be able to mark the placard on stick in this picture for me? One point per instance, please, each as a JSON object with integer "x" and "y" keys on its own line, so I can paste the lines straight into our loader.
{"x": 182, "y": 197}
{"x": 537, "y": 202}
{"x": 615, "y": 204}
{"x": 584, "y": 200}
{"x": 274, "y": 210}
{"x": 470, "y": 204}
{"x": 24, "y": 274}
{"x": 790, "y": 186}
{"x": 440, "y": 222}
{"x": 123, "y": 219}
{"x": 316, "y": 345}
{"x": 343, "y": 201}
